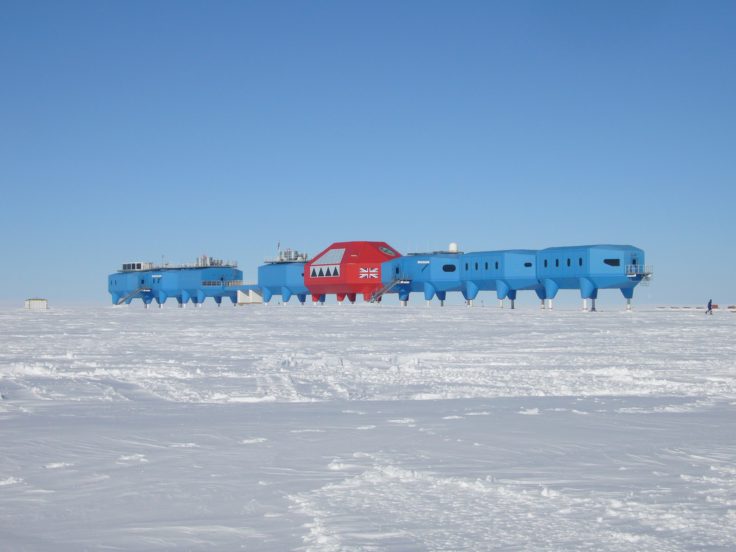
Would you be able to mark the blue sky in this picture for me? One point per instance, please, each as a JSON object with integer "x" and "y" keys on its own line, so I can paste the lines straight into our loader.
{"x": 132, "y": 130}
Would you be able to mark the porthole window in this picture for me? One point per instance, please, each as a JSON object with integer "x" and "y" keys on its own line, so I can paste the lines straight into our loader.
{"x": 612, "y": 262}
{"x": 466, "y": 266}
{"x": 476, "y": 266}
{"x": 568, "y": 262}
{"x": 580, "y": 261}
{"x": 397, "y": 270}
{"x": 496, "y": 265}
{"x": 528, "y": 265}
{"x": 545, "y": 263}
{"x": 449, "y": 268}
{"x": 557, "y": 263}
{"x": 486, "y": 265}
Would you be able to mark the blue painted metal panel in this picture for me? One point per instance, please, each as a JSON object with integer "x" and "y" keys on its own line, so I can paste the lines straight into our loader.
{"x": 431, "y": 274}
{"x": 589, "y": 268}
{"x": 504, "y": 272}
{"x": 182, "y": 284}
{"x": 284, "y": 279}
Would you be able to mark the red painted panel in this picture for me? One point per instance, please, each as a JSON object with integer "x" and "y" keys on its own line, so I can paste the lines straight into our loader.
{"x": 348, "y": 268}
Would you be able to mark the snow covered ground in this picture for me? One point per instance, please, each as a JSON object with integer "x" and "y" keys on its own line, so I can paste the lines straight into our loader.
{"x": 367, "y": 428}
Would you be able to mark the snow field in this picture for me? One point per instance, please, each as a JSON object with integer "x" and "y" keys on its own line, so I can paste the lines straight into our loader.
{"x": 362, "y": 428}
{"x": 303, "y": 354}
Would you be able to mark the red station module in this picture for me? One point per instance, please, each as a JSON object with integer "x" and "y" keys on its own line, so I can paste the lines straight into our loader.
{"x": 348, "y": 268}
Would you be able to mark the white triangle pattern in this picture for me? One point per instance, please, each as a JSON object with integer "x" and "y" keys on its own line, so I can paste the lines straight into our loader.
{"x": 325, "y": 271}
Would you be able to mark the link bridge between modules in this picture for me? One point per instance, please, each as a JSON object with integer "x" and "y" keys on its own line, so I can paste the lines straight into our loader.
{"x": 222, "y": 283}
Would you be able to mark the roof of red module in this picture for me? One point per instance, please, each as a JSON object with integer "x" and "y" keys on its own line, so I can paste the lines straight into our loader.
{"x": 348, "y": 267}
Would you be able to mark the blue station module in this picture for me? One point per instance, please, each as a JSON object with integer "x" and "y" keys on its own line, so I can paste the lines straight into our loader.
{"x": 589, "y": 268}
{"x": 208, "y": 277}
{"x": 284, "y": 276}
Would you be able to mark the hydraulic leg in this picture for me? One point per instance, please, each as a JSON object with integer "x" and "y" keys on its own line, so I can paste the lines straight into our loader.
{"x": 628, "y": 293}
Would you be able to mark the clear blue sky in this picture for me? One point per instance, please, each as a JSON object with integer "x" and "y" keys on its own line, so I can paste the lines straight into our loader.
{"x": 132, "y": 130}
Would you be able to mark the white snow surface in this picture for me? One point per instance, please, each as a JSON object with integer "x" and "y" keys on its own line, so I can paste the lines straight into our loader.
{"x": 365, "y": 428}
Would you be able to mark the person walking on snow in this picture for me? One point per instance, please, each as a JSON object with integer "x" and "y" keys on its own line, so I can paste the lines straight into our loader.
{"x": 710, "y": 307}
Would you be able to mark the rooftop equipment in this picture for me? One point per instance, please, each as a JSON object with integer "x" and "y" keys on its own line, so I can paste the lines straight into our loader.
{"x": 289, "y": 256}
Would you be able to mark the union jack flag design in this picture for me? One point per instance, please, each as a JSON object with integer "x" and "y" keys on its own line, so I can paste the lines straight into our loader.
{"x": 369, "y": 273}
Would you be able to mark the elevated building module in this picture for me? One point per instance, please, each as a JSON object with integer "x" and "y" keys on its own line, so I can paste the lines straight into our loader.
{"x": 207, "y": 277}
{"x": 429, "y": 273}
{"x": 284, "y": 276}
{"x": 348, "y": 269}
{"x": 589, "y": 268}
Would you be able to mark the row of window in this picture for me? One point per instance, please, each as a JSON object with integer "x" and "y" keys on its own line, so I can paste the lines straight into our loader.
{"x": 452, "y": 267}
{"x": 609, "y": 262}
{"x": 496, "y": 266}
{"x": 557, "y": 262}
{"x": 467, "y": 265}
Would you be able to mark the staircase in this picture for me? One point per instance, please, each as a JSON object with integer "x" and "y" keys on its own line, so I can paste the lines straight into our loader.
{"x": 385, "y": 289}
{"x": 132, "y": 294}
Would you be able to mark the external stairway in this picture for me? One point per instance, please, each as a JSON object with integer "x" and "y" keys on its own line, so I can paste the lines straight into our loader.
{"x": 388, "y": 287}
{"x": 133, "y": 294}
